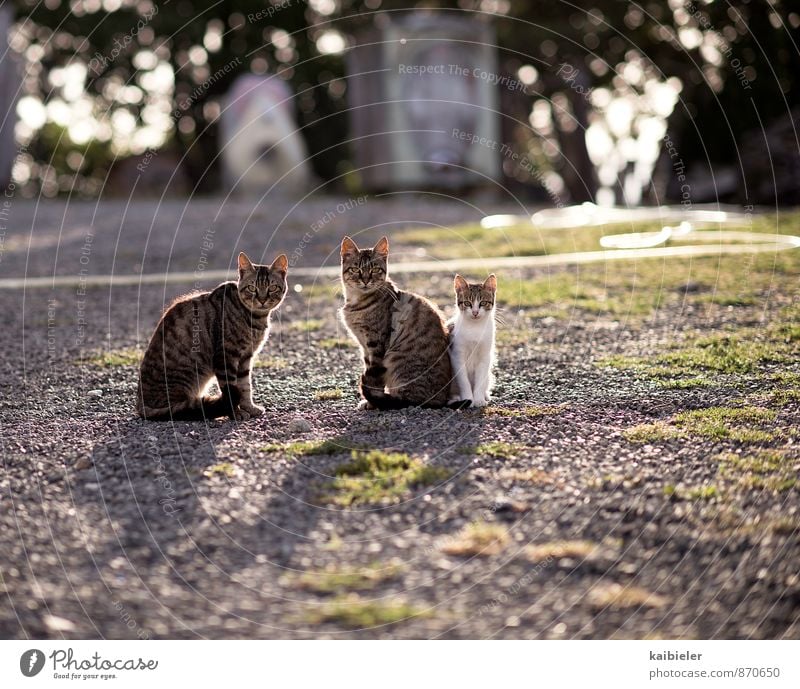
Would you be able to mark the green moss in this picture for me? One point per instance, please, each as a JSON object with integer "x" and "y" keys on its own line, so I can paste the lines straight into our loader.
{"x": 494, "y": 449}
{"x": 651, "y": 432}
{"x": 308, "y": 325}
{"x": 222, "y": 469}
{"x": 685, "y": 383}
{"x": 335, "y": 343}
{"x": 771, "y": 470}
{"x": 322, "y": 291}
{"x": 477, "y": 538}
{"x": 377, "y": 476}
{"x": 727, "y": 423}
{"x": 740, "y": 424}
{"x": 115, "y": 357}
{"x": 694, "y": 493}
{"x": 354, "y": 612}
{"x": 337, "y": 578}
{"x": 329, "y": 394}
{"x": 306, "y": 448}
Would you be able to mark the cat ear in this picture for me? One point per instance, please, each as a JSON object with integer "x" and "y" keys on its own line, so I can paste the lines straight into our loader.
{"x": 281, "y": 264}
{"x": 349, "y": 247}
{"x": 382, "y": 247}
{"x": 490, "y": 283}
{"x": 460, "y": 283}
{"x": 245, "y": 264}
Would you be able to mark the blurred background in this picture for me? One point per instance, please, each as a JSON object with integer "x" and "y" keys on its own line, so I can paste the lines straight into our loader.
{"x": 616, "y": 102}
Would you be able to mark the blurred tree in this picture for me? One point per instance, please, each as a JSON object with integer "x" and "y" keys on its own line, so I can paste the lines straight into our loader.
{"x": 130, "y": 75}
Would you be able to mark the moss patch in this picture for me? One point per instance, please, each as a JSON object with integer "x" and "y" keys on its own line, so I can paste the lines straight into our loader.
{"x": 306, "y": 448}
{"x": 344, "y": 577}
{"x": 222, "y": 469}
{"x": 309, "y": 325}
{"x": 115, "y": 357}
{"x": 496, "y": 449}
{"x": 376, "y": 477}
{"x": 693, "y": 493}
{"x": 738, "y": 424}
{"x": 621, "y": 597}
{"x": 651, "y": 432}
{"x": 771, "y": 470}
{"x": 477, "y": 538}
{"x": 329, "y": 394}
{"x": 727, "y": 423}
{"x": 354, "y": 612}
{"x": 335, "y": 343}
{"x": 560, "y": 549}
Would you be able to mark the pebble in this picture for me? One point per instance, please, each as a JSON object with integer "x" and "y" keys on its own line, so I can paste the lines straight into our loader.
{"x": 58, "y": 624}
{"x": 95, "y": 393}
{"x": 299, "y": 425}
{"x": 82, "y": 463}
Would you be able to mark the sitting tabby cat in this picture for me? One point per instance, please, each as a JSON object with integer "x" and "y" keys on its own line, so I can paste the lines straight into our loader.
{"x": 207, "y": 335}
{"x": 402, "y": 336}
{"x": 472, "y": 333}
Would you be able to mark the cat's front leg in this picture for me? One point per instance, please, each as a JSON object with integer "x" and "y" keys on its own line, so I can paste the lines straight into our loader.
{"x": 245, "y": 386}
{"x": 226, "y": 369}
{"x": 460, "y": 388}
{"x": 483, "y": 381}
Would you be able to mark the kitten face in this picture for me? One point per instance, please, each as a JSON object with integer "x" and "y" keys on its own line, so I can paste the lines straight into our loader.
{"x": 475, "y": 300}
{"x": 262, "y": 288}
{"x": 364, "y": 270}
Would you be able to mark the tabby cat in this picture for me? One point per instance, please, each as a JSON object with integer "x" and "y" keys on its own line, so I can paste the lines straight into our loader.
{"x": 206, "y": 335}
{"x": 472, "y": 335}
{"x": 403, "y": 336}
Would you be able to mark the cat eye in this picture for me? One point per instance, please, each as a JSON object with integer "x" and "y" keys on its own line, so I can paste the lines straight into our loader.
{"x": 251, "y": 288}
{"x": 486, "y": 304}
{"x": 376, "y": 269}
{"x": 352, "y": 270}
{"x": 273, "y": 288}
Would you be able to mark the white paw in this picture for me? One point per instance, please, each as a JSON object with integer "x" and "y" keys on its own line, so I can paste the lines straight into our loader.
{"x": 364, "y": 405}
{"x": 480, "y": 402}
{"x": 253, "y": 409}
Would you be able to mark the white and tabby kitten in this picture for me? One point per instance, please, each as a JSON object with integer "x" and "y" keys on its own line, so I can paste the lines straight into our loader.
{"x": 472, "y": 333}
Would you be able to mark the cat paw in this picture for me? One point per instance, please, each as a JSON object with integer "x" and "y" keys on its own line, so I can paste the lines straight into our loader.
{"x": 364, "y": 405}
{"x": 241, "y": 415}
{"x": 480, "y": 402}
{"x": 253, "y": 409}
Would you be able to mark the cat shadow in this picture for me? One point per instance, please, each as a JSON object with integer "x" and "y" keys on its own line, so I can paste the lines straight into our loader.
{"x": 310, "y": 502}
{"x": 144, "y": 479}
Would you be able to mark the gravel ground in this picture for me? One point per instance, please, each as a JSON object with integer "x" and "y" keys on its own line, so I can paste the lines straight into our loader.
{"x": 112, "y": 527}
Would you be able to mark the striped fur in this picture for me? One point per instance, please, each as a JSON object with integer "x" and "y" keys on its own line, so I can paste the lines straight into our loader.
{"x": 403, "y": 337}
{"x": 206, "y": 336}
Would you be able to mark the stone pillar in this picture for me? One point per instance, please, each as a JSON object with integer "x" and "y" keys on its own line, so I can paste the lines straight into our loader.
{"x": 9, "y": 88}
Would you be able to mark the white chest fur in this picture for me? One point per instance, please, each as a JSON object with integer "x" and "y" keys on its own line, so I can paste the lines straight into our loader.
{"x": 472, "y": 355}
